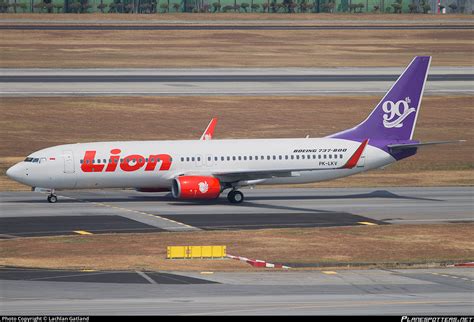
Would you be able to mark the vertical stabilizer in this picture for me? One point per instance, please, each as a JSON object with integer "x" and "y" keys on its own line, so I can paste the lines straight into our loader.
{"x": 395, "y": 116}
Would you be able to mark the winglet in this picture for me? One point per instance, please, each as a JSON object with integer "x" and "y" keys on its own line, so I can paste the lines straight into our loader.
{"x": 352, "y": 162}
{"x": 209, "y": 132}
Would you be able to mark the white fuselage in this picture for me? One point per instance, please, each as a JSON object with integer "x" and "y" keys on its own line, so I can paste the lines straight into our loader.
{"x": 154, "y": 164}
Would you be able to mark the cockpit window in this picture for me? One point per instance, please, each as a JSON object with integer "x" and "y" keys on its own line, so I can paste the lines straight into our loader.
{"x": 28, "y": 159}
{"x": 42, "y": 160}
{"x": 35, "y": 160}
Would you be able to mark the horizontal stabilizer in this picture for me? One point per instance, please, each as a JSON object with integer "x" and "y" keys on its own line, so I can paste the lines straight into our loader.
{"x": 417, "y": 145}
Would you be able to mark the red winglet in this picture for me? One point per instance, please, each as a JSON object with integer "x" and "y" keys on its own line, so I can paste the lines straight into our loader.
{"x": 356, "y": 156}
{"x": 209, "y": 132}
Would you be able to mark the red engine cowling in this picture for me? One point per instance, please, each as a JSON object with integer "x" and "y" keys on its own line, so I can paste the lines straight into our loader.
{"x": 196, "y": 187}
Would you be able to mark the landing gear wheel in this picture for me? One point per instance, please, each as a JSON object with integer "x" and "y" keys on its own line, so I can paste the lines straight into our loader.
{"x": 52, "y": 198}
{"x": 235, "y": 196}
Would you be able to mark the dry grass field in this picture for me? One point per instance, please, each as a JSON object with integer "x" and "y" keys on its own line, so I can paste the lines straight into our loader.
{"x": 29, "y": 124}
{"x": 231, "y": 48}
{"x": 202, "y": 17}
{"x": 382, "y": 245}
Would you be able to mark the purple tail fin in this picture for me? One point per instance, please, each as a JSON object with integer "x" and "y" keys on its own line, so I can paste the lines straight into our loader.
{"x": 394, "y": 117}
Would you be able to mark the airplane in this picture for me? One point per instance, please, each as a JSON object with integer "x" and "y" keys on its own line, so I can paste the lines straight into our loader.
{"x": 205, "y": 168}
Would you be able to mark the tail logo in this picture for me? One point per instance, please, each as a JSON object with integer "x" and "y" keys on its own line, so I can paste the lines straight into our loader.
{"x": 395, "y": 113}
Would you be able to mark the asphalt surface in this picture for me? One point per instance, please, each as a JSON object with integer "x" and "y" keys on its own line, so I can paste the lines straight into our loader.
{"x": 101, "y": 211}
{"x": 154, "y": 27}
{"x": 92, "y": 276}
{"x": 443, "y": 291}
{"x": 54, "y": 225}
{"x": 217, "y": 79}
{"x": 447, "y": 291}
{"x": 224, "y": 81}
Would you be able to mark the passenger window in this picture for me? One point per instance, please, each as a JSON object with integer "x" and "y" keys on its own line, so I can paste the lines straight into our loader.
{"x": 292, "y": 157}
{"x": 302, "y": 157}
{"x": 250, "y": 158}
{"x": 198, "y": 158}
{"x": 297, "y": 157}
{"x": 340, "y": 156}
{"x": 330, "y": 156}
{"x": 105, "y": 160}
{"x": 324, "y": 156}
{"x": 192, "y": 159}
{"x": 82, "y": 161}
{"x": 240, "y": 158}
{"x": 245, "y": 158}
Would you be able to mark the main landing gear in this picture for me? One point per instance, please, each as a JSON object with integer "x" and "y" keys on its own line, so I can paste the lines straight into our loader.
{"x": 52, "y": 198}
{"x": 235, "y": 196}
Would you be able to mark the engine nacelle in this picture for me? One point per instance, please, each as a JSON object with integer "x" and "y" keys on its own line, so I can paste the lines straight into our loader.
{"x": 196, "y": 187}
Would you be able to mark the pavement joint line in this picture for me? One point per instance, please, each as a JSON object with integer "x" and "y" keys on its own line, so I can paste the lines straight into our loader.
{"x": 132, "y": 210}
{"x": 72, "y": 275}
{"x": 296, "y": 306}
{"x": 146, "y": 277}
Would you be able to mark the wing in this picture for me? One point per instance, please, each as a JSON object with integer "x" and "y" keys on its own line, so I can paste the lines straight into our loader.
{"x": 240, "y": 175}
{"x": 209, "y": 132}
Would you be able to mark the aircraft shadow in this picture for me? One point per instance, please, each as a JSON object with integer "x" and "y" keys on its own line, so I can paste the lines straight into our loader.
{"x": 223, "y": 201}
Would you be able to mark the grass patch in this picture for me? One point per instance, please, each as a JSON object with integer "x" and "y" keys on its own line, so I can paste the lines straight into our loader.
{"x": 24, "y": 129}
{"x": 232, "y": 48}
{"x": 385, "y": 245}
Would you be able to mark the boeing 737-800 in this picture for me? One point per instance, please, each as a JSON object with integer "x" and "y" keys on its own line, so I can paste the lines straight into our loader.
{"x": 203, "y": 169}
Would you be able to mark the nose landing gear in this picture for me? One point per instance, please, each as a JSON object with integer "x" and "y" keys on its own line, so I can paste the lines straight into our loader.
{"x": 52, "y": 198}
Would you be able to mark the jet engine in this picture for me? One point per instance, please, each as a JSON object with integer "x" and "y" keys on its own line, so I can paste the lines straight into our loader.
{"x": 196, "y": 187}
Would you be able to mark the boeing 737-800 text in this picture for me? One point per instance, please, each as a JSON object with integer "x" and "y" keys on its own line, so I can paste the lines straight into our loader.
{"x": 203, "y": 169}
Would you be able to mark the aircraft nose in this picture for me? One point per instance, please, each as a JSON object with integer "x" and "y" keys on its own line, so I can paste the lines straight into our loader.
{"x": 14, "y": 172}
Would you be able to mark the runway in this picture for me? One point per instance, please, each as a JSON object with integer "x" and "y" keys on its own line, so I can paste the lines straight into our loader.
{"x": 105, "y": 211}
{"x": 441, "y": 291}
{"x": 224, "y": 81}
{"x": 444, "y": 292}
